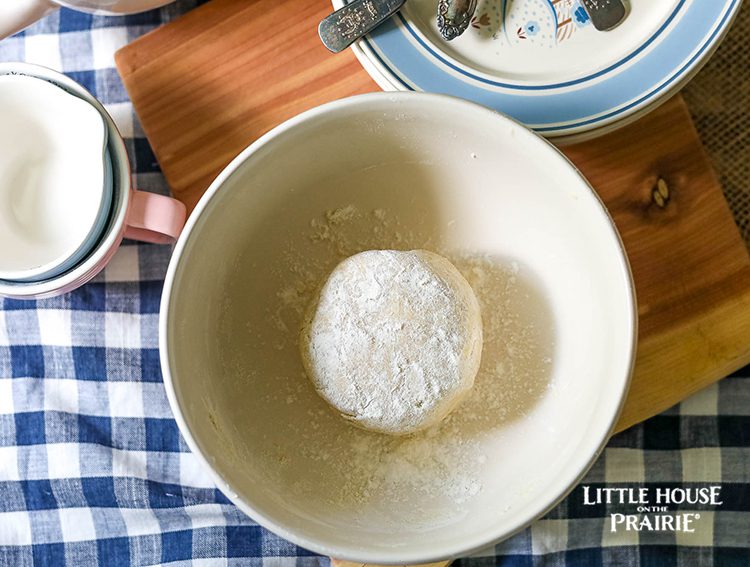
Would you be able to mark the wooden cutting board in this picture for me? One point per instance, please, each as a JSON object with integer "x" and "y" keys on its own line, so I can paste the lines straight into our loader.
{"x": 208, "y": 84}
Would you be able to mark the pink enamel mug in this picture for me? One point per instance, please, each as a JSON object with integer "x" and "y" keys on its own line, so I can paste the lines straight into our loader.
{"x": 134, "y": 214}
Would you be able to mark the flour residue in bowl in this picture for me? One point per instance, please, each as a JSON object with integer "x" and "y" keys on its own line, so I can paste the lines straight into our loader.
{"x": 444, "y": 468}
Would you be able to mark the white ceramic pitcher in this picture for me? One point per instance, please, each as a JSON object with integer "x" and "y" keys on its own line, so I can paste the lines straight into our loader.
{"x": 15, "y": 15}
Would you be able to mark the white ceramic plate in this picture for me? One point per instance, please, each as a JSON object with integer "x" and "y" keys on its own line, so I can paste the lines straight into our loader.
{"x": 543, "y": 63}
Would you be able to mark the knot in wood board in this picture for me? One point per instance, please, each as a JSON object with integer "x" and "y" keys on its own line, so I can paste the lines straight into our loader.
{"x": 661, "y": 193}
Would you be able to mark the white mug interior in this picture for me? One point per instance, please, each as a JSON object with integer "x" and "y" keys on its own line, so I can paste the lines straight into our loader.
{"x": 113, "y": 231}
{"x": 57, "y": 179}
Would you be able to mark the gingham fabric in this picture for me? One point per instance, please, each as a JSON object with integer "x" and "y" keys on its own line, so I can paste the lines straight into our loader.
{"x": 93, "y": 470}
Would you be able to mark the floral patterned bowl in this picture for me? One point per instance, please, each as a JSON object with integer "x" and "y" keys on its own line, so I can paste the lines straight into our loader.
{"x": 542, "y": 62}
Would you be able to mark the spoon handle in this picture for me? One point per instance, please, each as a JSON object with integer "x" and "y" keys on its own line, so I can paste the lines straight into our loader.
{"x": 346, "y": 25}
{"x": 605, "y": 14}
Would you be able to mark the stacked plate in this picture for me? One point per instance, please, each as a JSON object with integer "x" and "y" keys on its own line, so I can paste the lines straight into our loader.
{"x": 543, "y": 63}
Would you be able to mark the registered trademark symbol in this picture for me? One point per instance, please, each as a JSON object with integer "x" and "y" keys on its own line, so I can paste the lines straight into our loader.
{"x": 697, "y": 516}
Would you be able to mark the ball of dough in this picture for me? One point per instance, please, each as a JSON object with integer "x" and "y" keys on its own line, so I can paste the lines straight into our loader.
{"x": 393, "y": 340}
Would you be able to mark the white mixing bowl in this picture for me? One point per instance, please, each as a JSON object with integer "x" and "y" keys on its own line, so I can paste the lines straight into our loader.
{"x": 399, "y": 171}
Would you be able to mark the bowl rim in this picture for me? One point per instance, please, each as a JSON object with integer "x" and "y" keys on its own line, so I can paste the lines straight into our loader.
{"x": 352, "y": 552}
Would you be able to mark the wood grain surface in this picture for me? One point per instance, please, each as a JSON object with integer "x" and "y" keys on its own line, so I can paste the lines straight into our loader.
{"x": 689, "y": 263}
{"x": 208, "y": 84}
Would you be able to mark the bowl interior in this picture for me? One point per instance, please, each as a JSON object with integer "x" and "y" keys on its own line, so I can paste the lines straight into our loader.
{"x": 399, "y": 171}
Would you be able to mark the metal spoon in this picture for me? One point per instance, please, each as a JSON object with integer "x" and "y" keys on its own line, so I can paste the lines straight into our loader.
{"x": 358, "y": 18}
{"x": 605, "y": 14}
{"x": 346, "y": 25}
{"x": 454, "y": 16}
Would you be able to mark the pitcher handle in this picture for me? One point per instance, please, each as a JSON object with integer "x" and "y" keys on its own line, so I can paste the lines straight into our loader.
{"x": 154, "y": 218}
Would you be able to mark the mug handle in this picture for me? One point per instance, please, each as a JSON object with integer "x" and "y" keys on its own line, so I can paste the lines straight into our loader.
{"x": 154, "y": 218}
{"x": 15, "y": 15}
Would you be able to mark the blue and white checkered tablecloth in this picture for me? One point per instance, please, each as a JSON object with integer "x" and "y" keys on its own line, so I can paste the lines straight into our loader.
{"x": 93, "y": 470}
